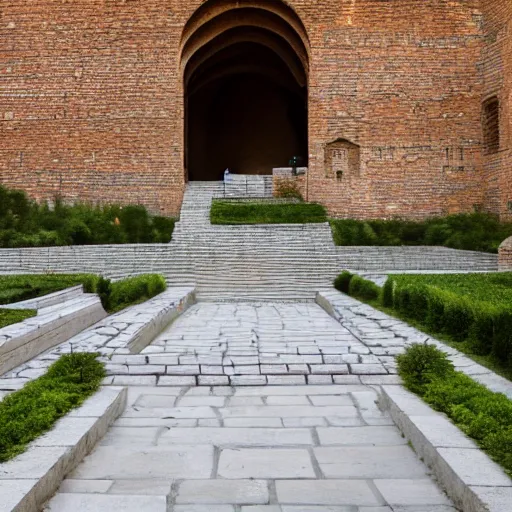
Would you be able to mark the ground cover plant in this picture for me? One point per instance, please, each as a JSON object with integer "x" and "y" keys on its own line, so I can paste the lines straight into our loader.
{"x": 15, "y": 288}
{"x": 264, "y": 212}
{"x": 25, "y": 223}
{"x": 472, "y": 312}
{"x": 480, "y": 413}
{"x": 476, "y": 231}
{"x": 33, "y": 410}
{"x": 13, "y": 316}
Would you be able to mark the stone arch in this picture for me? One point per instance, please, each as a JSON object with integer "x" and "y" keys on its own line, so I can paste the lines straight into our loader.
{"x": 249, "y": 41}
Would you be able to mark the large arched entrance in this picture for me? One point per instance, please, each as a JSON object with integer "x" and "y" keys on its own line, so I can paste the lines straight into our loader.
{"x": 245, "y": 72}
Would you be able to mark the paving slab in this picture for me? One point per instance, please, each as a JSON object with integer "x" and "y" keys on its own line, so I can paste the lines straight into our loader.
{"x": 268, "y": 464}
{"x": 105, "y": 503}
{"x": 125, "y": 463}
{"x": 223, "y": 491}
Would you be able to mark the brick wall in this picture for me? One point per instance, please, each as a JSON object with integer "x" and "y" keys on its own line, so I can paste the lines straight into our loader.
{"x": 497, "y": 81}
{"x": 91, "y": 102}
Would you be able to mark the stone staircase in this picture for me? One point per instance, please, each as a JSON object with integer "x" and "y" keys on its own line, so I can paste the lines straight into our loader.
{"x": 260, "y": 262}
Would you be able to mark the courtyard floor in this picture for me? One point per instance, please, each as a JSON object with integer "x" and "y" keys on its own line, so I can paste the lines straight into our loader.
{"x": 252, "y": 449}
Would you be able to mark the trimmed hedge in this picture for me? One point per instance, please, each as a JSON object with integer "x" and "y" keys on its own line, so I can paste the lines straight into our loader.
{"x": 363, "y": 289}
{"x": 13, "y": 316}
{"x": 232, "y": 212}
{"x": 342, "y": 282}
{"x": 24, "y": 223}
{"x": 120, "y": 294}
{"x": 476, "y": 231}
{"x": 114, "y": 295}
{"x": 33, "y": 410}
{"x": 474, "y": 307}
{"x": 480, "y": 413}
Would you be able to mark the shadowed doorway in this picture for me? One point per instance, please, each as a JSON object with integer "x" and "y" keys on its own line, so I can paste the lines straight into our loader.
{"x": 245, "y": 99}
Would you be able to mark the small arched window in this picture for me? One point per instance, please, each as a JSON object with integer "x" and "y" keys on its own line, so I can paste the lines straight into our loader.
{"x": 491, "y": 125}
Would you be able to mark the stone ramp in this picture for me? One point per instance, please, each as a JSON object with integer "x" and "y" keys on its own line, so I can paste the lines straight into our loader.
{"x": 263, "y": 449}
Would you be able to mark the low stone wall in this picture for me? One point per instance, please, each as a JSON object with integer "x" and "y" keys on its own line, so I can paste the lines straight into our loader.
{"x": 113, "y": 261}
{"x": 421, "y": 258}
{"x": 505, "y": 255}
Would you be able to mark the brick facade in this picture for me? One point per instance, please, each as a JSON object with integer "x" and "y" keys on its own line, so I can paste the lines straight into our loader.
{"x": 92, "y": 100}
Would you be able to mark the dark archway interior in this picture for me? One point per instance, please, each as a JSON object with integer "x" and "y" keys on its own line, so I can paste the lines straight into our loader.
{"x": 246, "y": 105}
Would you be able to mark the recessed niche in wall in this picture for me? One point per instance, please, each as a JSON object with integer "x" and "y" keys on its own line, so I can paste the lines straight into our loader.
{"x": 342, "y": 158}
{"x": 491, "y": 125}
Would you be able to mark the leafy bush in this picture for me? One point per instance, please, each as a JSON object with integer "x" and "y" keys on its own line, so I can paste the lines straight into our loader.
{"x": 363, "y": 289}
{"x": 230, "y": 212}
{"x": 421, "y": 365}
{"x": 13, "y": 316}
{"x": 120, "y": 294}
{"x": 30, "y": 412}
{"x": 480, "y": 413}
{"x": 24, "y": 223}
{"x": 342, "y": 282}
{"x": 476, "y": 231}
{"x": 287, "y": 188}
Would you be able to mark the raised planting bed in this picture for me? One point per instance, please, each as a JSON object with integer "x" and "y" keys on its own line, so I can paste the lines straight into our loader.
{"x": 49, "y": 426}
{"x": 266, "y": 212}
{"x": 472, "y": 312}
{"x": 23, "y": 287}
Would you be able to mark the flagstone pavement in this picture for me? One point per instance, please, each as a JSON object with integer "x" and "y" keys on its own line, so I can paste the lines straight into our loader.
{"x": 252, "y": 449}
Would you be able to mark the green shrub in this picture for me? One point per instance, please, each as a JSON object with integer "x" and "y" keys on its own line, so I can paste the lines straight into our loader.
{"x": 24, "y": 223}
{"x": 474, "y": 308}
{"x": 421, "y": 365}
{"x": 342, "y": 282}
{"x": 287, "y": 188}
{"x": 133, "y": 290}
{"x": 104, "y": 291}
{"x": 388, "y": 293}
{"x": 363, "y": 289}
{"x": 30, "y": 412}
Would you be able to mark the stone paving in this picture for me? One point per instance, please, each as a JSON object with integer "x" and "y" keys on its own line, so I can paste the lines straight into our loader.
{"x": 252, "y": 449}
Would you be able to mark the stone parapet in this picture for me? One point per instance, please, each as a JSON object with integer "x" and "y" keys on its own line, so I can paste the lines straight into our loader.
{"x": 505, "y": 255}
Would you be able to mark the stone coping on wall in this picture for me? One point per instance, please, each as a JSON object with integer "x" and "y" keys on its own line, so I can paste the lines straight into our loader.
{"x": 23, "y": 341}
{"x": 471, "y": 479}
{"x": 115, "y": 337}
{"x": 30, "y": 479}
{"x": 387, "y": 336}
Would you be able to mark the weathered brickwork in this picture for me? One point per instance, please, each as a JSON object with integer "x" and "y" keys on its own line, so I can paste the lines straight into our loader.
{"x": 497, "y": 80}
{"x": 92, "y": 101}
